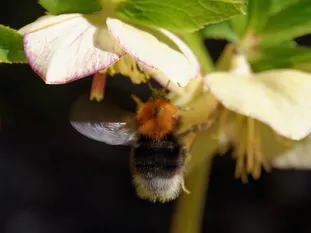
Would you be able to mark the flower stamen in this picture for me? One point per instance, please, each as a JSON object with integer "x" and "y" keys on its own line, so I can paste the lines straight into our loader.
{"x": 240, "y": 152}
{"x": 250, "y": 148}
{"x": 222, "y": 149}
{"x": 127, "y": 66}
{"x": 222, "y": 121}
{"x": 248, "y": 153}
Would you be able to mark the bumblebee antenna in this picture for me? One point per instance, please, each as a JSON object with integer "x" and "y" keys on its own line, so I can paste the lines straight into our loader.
{"x": 164, "y": 90}
{"x": 168, "y": 83}
{"x": 157, "y": 92}
{"x": 138, "y": 101}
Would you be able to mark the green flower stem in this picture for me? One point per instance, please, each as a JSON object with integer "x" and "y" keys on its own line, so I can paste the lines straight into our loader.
{"x": 196, "y": 43}
{"x": 188, "y": 214}
{"x": 189, "y": 211}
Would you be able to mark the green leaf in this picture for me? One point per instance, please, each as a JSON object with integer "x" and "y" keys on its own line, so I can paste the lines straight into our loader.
{"x": 258, "y": 14}
{"x": 70, "y": 6}
{"x": 222, "y": 30}
{"x": 176, "y": 15}
{"x": 290, "y": 23}
{"x": 306, "y": 66}
{"x": 239, "y": 22}
{"x": 11, "y": 46}
{"x": 285, "y": 55}
{"x": 279, "y": 5}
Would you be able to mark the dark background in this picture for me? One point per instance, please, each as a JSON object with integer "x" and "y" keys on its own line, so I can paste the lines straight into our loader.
{"x": 52, "y": 179}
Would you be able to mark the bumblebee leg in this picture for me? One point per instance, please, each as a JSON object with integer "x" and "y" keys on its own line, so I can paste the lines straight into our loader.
{"x": 151, "y": 87}
{"x": 184, "y": 187}
{"x": 168, "y": 83}
{"x": 158, "y": 93}
{"x": 138, "y": 101}
{"x": 196, "y": 128}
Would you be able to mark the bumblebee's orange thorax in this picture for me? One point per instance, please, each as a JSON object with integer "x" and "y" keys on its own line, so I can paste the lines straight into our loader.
{"x": 157, "y": 118}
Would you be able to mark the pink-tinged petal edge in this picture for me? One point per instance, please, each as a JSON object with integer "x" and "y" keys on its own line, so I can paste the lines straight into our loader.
{"x": 132, "y": 54}
{"x": 31, "y": 64}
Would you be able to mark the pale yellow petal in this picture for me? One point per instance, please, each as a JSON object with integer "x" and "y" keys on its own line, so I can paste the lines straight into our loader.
{"x": 165, "y": 63}
{"x": 193, "y": 89}
{"x": 198, "y": 111}
{"x": 185, "y": 50}
{"x": 70, "y": 50}
{"x": 279, "y": 98}
{"x": 298, "y": 157}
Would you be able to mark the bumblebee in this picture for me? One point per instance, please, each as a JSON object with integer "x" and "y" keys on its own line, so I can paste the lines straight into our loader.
{"x": 158, "y": 154}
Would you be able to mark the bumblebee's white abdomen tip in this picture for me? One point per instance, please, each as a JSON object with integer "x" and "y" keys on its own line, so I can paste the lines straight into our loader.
{"x": 157, "y": 188}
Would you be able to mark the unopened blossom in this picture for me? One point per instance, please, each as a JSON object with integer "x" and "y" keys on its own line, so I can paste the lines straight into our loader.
{"x": 265, "y": 116}
{"x": 67, "y": 47}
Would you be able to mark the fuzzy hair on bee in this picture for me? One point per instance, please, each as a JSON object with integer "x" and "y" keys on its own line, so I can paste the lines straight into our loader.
{"x": 158, "y": 154}
{"x": 158, "y": 168}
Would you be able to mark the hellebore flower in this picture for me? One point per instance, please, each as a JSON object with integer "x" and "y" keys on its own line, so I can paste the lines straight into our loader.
{"x": 67, "y": 47}
{"x": 264, "y": 116}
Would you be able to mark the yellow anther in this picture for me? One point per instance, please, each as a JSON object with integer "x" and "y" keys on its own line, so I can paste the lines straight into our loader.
{"x": 127, "y": 66}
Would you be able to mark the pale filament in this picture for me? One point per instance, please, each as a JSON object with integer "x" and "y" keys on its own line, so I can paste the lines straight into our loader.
{"x": 246, "y": 143}
{"x": 221, "y": 121}
{"x": 247, "y": 150}
{"x": 127, "y": 66}
{"x": 247, "y": 146}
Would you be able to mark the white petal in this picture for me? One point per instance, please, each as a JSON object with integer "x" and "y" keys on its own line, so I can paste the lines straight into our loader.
{"x": 144, "y": 47}
{"x": 199, "y": 112}
{"x": 69, "y": 50}
{"x": 280, "y": 98}
{"x": 298, "y": 157}
{"x": 193, "y": 89}
{"x": 46, "y": 21}
{"x": 185, "y": 50}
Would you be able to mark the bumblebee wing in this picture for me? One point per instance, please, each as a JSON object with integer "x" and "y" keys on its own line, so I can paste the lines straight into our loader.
{"x": 103, "y": 121}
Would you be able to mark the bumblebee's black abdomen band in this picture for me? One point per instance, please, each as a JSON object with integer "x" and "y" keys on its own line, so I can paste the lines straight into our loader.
{"x": 158, "y": 158}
